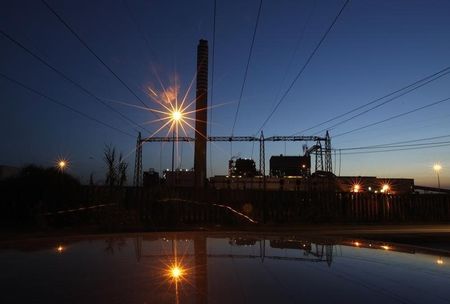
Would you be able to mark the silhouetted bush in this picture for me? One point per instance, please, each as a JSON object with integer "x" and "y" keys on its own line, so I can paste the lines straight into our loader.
{"x": 38, "y": 190}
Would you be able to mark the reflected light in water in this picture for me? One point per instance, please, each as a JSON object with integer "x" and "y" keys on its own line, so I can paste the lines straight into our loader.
{"x": 176, "y": 272}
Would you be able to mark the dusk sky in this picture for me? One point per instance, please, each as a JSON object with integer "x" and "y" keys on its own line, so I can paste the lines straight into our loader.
{"x": 375, "y": 48}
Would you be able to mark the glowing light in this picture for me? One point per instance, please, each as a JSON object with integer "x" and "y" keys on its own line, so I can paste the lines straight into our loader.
{"x": 385, "y": 247}
{"x": 62, "y": 164}
{"x": 177, "y": 115}
{"x": 437, "y": 167}
{"x": 176, "y": 272}
{"x": 357, "y": 244}
{"x": 385, "y": 188}
{"x": 440, "y": 261}
{"x": 60, "y": 249}
{"x": 356, "y": 187}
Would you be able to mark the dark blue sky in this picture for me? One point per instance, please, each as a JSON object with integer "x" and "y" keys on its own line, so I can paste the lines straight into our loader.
{"x": 375, "y": 47}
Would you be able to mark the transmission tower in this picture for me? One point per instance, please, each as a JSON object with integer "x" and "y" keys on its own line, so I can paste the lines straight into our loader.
{"x": 328, "y": 158}
{"x": 137, "y": 181}
{"x": 319, "y": 156}
{"x": 262, "y": 155}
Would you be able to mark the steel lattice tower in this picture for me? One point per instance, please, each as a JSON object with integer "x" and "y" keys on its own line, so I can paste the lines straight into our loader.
{"x": 328, "y": 158}
{"x": 262, "y": 156}
{"x": 319, "y": 156}
{"x": 137, "y": 181}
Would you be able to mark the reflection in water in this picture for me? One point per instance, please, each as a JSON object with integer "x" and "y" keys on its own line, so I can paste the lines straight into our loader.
{"x": 223, "y": 268}
{"x": 114, "y": 243}
{"x": 60, "y": 249}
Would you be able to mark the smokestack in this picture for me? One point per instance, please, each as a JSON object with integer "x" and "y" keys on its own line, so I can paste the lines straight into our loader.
{"x": 201, "y": 114}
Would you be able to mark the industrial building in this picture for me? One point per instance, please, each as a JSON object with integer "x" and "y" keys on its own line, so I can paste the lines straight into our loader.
{"x": 242, "y": 167}
{"x": 281, "y": 166}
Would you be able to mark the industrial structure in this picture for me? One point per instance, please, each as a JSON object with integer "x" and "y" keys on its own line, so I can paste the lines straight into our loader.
{"x": 282, "y": 165}
{"x": 201, "y": 118}
{"x": 312, "y": 171}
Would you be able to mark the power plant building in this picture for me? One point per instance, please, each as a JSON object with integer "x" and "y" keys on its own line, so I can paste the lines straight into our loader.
{"x": 281, "y": 166}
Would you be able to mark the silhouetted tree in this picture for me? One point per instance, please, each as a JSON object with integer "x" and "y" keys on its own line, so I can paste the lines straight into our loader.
{"x": 116, "y": 169}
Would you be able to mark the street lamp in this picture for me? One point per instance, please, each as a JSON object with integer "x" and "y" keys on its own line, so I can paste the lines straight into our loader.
{"x": 437, "y": 167}
{"x": 176, "y": 117}
{"x": 62, "y": 164}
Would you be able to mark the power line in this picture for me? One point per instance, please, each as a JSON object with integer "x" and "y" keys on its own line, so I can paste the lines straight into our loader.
{"x": 387, "y": 145}
{"x": 246, "y": 67}
{"x": 375, "y": 100}
{"x": 304, "y": 66}
{"x": 298, "y": 44}
{"x": 64, "y": 105}
{"x": 297, "y": 47}
{"x": 67, "y": 78}
{"x": 381, "y": 148}
{"x": 94, "y": 54}
{"x": 399, "y": 149}
{"x": 394, "y": 117}
{"x": 384, "y": 102}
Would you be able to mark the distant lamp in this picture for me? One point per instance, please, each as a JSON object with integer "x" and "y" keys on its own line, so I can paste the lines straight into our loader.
{"x": 440, "y": 261}
{"x": 356, "y": 188}
{"x": 385, "y": 188}
{"x": 437, "y": 168}
{"x": 62, "y": 164}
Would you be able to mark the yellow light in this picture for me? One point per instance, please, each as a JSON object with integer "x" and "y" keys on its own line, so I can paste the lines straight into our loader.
{"x": 437, "y": 167}
{"x": 440, "y": 261}
{"x": 176, "y": 272}
{"x": 60, "y": 248}
{"x": 356, "y": 188}
{"x": 177, "y": 115}
{"x": 385, "y": 188}
{"x": 385, "y": 247}
{"x": 62, "y": 164}
{"x": 357, "y": 244}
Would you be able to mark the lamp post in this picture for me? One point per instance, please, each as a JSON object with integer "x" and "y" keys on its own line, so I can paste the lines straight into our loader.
{"x": 437, "y": 168}
{"x": 176, "y": 117}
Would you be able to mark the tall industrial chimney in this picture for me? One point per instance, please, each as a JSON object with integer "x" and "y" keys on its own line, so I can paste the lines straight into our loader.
{"x": 201, "y": 114}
